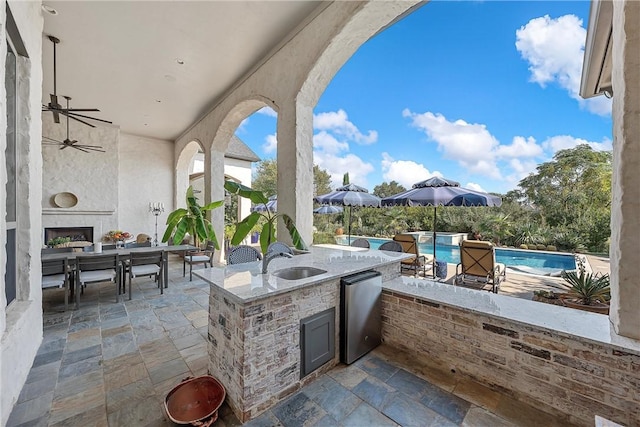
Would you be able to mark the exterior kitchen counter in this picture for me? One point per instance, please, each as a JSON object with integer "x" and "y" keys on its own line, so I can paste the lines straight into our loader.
{"x": 256, "y": 321}
{"x": 245, "y": 283}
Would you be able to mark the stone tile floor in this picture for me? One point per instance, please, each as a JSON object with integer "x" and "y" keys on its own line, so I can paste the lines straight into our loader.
{"x": 111, "y": 364}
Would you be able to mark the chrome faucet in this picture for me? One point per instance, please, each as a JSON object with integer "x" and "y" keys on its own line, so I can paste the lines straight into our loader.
{"x": 268, "y": 257}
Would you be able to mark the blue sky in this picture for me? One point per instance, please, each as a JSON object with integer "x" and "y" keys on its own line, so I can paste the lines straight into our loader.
{"x": 478, "y": 92}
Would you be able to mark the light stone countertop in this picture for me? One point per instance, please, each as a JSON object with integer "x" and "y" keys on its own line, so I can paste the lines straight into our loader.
{"x": 245, "y": 283}
{"x": 563, "y": 320}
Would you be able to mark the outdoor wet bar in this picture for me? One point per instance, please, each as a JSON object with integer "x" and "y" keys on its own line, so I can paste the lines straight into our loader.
{"x": 255, "y": 320}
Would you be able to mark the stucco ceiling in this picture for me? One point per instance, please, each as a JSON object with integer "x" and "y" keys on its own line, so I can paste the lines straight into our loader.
{"x": 122, "y": 57}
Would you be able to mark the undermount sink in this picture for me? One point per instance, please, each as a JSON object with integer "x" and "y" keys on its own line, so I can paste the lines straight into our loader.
{"x": 296, "y": 273}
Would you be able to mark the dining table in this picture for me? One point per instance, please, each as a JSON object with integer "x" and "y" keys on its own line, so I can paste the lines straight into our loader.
{"x": 124, "y": 254}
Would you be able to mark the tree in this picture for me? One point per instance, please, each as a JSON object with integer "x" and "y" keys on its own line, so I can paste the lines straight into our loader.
{"x": 265, "y": 179}
{"x": 321, "y": 181}
{"x": 573, "y": 192}
{"x": 345, "y": 179}
{"x": 388, "y": 189}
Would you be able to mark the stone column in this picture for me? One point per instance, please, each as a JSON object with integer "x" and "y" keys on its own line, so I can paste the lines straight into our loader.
{"x": 625, "y": 206}
{"x": 214, "y": 190}
{"x": 295, "y": 168}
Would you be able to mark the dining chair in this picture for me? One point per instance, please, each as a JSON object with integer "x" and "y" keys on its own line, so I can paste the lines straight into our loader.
{"x": 97, "y": 268}
{"x": 55, "y": 274}
{"x": 243, "y": 253}
{"x": 147, "y": 264}
{"x": 198, "y": 256}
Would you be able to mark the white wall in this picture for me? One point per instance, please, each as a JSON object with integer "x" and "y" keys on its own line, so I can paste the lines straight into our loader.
{"x": 21, "y": 321}
{"x": 146, "y": 176}
{"x": 92, "y": 177}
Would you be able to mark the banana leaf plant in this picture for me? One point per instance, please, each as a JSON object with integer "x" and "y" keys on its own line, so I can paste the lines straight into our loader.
{"x": 268, "y": 233}
{"x": 192, "y": 220}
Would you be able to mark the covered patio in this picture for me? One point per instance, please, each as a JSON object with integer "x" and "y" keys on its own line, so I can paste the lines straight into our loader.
{"x": 571, "y": 368}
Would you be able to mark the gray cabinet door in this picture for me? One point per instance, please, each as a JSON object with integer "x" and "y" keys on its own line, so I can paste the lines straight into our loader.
{"x": 317, "y": 340}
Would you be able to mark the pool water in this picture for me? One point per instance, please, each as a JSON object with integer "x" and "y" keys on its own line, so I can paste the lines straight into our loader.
{"x": 527, "y": 261}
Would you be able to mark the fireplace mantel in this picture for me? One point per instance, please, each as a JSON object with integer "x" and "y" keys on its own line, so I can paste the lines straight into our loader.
{"x": 60, "y": 211}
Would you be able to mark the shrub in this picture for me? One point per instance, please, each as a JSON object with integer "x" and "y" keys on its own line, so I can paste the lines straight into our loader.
{"x": 588, "y": 288}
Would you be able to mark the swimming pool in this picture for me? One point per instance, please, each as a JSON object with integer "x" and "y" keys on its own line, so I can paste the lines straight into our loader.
{"x": 523, "y": 260}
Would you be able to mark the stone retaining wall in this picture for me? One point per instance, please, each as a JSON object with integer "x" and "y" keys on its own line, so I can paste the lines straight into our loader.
{"x": 571, "y": 378}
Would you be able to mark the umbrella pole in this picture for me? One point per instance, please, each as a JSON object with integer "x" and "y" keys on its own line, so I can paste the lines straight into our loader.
{"x": 349, "y": 241}
{"x": 435, "y": 216}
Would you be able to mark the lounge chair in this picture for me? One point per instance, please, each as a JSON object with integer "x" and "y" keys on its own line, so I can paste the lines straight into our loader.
{"x": 413, "y": 265}
{"x": 478, "y": 265}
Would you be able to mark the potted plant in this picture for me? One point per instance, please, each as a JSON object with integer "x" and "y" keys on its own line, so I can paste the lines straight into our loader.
{"x": 268, "y": 231}
{"x": 192, "y": 220}
{"x": 587, "y": 291}
{"x": 52, "y": 243}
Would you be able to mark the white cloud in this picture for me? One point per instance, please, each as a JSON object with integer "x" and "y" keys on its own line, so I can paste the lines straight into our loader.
{"x": 267, "y": 111}
{"x": 474, "y": 186}
{"x": 271, "y": 143}
{"x": 338, "y": 122}
{"x": 328, "y": 143}
{"x": 471, "y": 145}
{"x": 519, "y": 170}
{"x": 554, "y": 49}
{"x": 404, "y": 172}
{"x": 562, "y": 142}
{"x": 337, "y": 166}
{"x": 520, "y": 147}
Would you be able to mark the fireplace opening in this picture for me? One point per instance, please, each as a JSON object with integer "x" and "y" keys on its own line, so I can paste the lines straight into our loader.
{"x": 76, "y": 234}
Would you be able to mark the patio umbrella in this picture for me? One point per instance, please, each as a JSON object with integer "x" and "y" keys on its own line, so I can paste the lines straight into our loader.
{"x": 271, "y": 206}
{"x": 327, "y": 209}
{"x": 440, "y": 192}
{"x": 349, "y": 195}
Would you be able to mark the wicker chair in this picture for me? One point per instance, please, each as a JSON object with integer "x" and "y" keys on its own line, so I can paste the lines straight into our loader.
{"x": 361, "y": 243}
{"x": 280, "y": 248}
{"x": 243, "y": 253}
{"x": 391, "y": 245}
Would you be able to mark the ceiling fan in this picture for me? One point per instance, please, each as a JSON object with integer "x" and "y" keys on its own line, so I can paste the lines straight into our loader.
{"x": 58, "y": 109}
{"x": 69, "y": 143}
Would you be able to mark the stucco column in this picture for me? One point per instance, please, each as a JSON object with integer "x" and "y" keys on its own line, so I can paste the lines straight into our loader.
{"x": 295, "y": 168}
{"x": 213, "y": 191}
{"x": 625, "y": 206}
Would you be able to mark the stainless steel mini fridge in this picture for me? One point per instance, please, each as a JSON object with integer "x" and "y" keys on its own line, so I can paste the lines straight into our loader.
{"x": 360, "y": 314}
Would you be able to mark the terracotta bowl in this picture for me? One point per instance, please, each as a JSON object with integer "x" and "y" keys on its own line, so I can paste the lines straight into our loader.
{"x": 195, "y": 400}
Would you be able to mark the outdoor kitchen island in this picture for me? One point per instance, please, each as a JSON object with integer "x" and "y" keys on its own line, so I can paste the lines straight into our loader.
{"x": 255, "y": 320}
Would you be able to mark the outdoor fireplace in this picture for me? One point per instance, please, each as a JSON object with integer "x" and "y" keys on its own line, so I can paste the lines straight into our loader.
{"x": 76, "y": 234}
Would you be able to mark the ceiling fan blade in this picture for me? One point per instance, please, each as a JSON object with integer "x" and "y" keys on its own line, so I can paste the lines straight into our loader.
{"x": 80, "y": 109}
{"x": 90, "y": 147}
{"x": 78, "y": 148}
{"x": 51, "y": 139}
{"x": 71, "y": 114}
{"x": 64, "y": 146}
{"x": 76, "y": 119}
